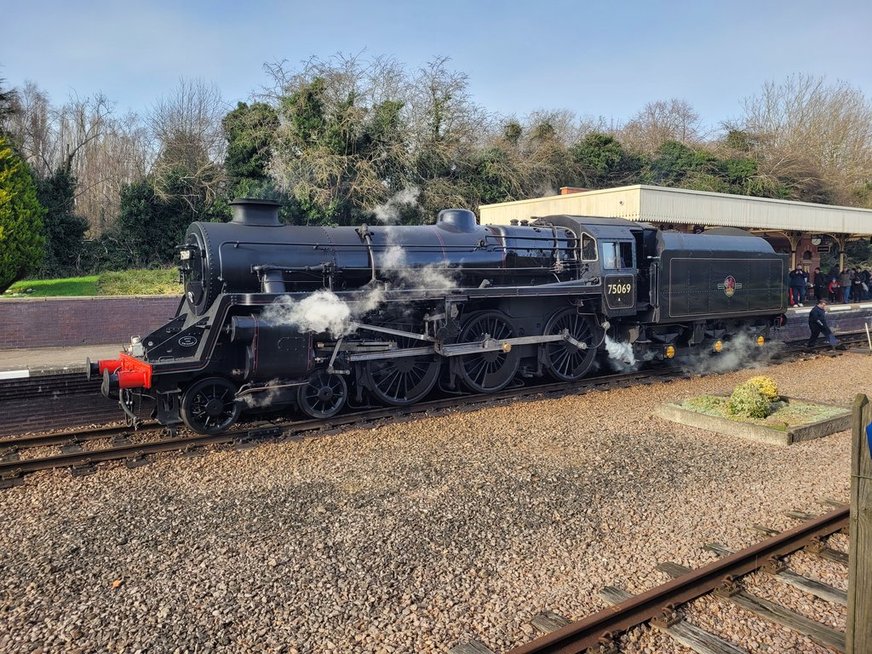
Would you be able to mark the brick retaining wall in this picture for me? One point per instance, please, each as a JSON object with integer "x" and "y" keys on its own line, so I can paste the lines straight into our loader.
{"x": 53, "y": 322}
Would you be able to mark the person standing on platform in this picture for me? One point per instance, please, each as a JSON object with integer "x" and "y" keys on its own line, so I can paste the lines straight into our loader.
{"x": 857, "y": 286}
{"x": 845, "y": 285}
{"x": 798, "y": 282}
{"x": 820, "y": 284}
{"x": 817, "y": 323}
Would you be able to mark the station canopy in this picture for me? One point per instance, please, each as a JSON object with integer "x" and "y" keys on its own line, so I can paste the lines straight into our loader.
{"x": 680, "y": 207}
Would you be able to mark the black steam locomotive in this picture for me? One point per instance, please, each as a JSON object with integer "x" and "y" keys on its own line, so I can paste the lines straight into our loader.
{"x": 322, "y": 316}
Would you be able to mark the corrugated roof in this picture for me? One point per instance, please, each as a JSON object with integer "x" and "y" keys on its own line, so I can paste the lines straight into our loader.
{"x": 658, "y": 204}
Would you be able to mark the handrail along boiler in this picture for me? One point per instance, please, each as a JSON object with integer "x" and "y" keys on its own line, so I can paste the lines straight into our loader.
{"x": 465, "y": 306}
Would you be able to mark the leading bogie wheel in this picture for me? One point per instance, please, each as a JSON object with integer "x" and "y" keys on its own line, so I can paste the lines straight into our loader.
{"x": 209, "y": 405}
{"x": 323, "y": 396}
{"x": 491, "y": 371}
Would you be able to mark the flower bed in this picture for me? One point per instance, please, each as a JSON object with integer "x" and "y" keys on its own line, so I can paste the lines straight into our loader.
{"x": 790, "y": 420}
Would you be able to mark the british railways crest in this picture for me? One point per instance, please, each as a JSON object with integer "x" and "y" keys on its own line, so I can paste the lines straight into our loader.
{"x": 729, "y": 286}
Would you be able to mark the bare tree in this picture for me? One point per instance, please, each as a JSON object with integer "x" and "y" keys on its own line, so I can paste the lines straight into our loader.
{"x": 55, "y": 137}
{"x": 186, "y": 128}
{"x": 8, "y": 105}
{"x": 440, "y": 110}
{"x": 659, "y": 122}
{"x": 120, "y": 156}
{"x": 82, "y": 137}
{"x": 31, "y": 128}
{"x": 809, "y": 131}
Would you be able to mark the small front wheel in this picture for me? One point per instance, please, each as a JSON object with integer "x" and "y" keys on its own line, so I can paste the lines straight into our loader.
{"x": 323, "y": 396}
{"x": 209, "y": 406}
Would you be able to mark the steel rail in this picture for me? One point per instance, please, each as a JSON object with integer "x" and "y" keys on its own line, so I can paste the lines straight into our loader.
{"x": 14, "y": 469}
{"x": 590, "y": 632}
{"x": 80, "y": 435}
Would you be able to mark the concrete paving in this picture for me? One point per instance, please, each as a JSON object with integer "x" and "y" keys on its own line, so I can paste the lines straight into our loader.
{"x": 16, "y": 364}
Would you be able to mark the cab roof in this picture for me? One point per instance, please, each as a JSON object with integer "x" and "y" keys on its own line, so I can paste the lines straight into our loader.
{"x": 596, "y": 226}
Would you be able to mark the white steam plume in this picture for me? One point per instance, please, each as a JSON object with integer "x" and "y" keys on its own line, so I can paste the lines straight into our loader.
{"x": 263, "y": 398}
{"x": 621, "y": 355}
{"x": 434, "y": 276}
{"x": 322, "y": 311}
{"x": 622, "y": 352}
{"x": 389, "y": 212}
{"x": 740, "y": 351}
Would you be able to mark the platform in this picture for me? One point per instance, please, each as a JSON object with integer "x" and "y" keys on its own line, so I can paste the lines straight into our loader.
{"x": 40, "y": 361}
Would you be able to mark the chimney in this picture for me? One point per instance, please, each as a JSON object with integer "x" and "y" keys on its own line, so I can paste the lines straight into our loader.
{"x": 569, "y": 190}
{"x": 250, "y": 211}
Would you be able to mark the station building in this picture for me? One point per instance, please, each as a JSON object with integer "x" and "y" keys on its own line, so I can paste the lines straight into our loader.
{"x": 806, "y": 231}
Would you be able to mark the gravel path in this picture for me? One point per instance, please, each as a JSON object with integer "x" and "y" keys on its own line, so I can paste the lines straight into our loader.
{"x": 410, "y": 537}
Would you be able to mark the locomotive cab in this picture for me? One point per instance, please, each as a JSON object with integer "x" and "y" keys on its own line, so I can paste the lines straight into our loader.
{"x": 612, "y": 254}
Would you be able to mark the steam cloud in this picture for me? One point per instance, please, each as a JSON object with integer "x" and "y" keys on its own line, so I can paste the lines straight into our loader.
{"x": 322, "y": 311}
{"x": 325, "y": 312}
{"x": 621, "y": 353}
{"x": 389, "y": 212}
{"x": 435, "y": 276}
{"x": 741, "y": 351}
{"x": 264, "y": 398}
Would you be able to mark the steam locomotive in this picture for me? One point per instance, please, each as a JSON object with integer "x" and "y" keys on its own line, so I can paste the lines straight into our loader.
{"x": 319, "y": 317}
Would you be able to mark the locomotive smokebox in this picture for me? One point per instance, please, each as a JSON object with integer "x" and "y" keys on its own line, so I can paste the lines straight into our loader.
{"x": 249, "y": 211}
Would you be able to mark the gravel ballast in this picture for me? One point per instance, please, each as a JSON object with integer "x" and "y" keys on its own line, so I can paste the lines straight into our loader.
{"x": 414, "y": 536}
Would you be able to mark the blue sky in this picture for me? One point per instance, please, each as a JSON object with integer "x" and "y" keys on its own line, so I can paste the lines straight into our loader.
{"x": 596, "y": 58}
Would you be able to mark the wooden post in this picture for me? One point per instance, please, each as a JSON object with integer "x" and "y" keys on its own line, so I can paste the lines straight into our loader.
{"x": 859, "y": 633}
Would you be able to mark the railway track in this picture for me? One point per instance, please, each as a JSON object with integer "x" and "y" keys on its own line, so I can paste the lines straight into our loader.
{"x": 53, "y": 401}
{"x": 660, "y": 606}
{"x": 134, "y": 447}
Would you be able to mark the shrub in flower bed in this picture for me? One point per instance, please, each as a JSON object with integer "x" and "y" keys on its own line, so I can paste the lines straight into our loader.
{"x": 766, "y": 385}
{"x": 747, "y": 401}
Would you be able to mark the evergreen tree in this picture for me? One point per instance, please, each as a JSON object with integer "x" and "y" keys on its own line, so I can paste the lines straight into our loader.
{"x": 21, "y": 235}
{"x": 64, "y": 231}
{"x": 603, "y": 162}
{"x": 8, "y": 105}
{"x": 250, "y": 132}
{"x": 150, "y": 225}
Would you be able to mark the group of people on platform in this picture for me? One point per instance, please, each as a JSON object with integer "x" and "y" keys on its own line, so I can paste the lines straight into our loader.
{"x": 849, "y": 285}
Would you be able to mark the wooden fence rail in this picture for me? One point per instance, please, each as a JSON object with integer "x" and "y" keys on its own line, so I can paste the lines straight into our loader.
{"x": 859, "y": 632}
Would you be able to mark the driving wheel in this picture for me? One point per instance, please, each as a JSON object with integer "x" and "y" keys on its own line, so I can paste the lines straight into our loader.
{"x": 490, "y": 371}
{"x": 566, "y": 362}
{"x": 402, "y": 381}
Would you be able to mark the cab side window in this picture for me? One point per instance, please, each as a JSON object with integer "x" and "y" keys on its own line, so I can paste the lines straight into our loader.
{"x": 588, "y": 248}
{"x": 617, "y": 255}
